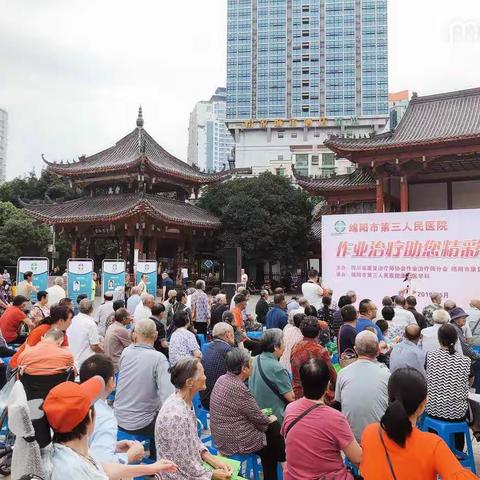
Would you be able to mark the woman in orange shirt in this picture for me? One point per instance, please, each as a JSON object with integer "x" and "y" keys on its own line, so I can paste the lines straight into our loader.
{"x": 60, "y": 317}
{"x": 396, "y": 449}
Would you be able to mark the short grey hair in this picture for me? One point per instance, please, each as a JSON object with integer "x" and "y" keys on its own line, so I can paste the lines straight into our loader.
{"x": 351, "y": 293}
{"x": 200, "y": 285}
{"x": 228, "y": 316}
{"x": 58, "y": 281}
{"x": 220, "y": 329}
{"x": 147, "y": 297}
{"x": 303, "y": 302}
{"x": 183, "y": 369}
{"x": 236, "y": 359}
{"x": 135, "y": 291}
{"x": 86, "y": 306}
{"x": 449, "y": 305}
{"x": 435, "y": 296}
{"x": 146, "y": 328}
{"x": 55, "y": 334}
{"x": 264, "y": 292}
{"x": 271, "y": 338}
{"x": 366, "y": 344}
{"x": 220, "y": 297}
{"x": 172, "y": 293}
{"x": 441, "y": 316}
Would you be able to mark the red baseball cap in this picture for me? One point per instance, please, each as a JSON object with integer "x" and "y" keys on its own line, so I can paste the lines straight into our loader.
{"x": 68, "y": 403}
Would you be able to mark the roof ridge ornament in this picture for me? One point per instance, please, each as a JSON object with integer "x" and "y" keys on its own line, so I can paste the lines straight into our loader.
{"x": 140, "y": 117}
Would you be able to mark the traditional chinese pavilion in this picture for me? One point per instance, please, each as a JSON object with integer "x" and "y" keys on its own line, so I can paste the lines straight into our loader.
{"x": 431, "y": 161}
{"x": 137, "y": 193}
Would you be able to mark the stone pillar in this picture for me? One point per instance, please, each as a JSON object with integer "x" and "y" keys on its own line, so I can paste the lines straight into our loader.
{"x": 403, "y": 194}
{"x": 379, "y": 196}
{"x": 152, "y": 248}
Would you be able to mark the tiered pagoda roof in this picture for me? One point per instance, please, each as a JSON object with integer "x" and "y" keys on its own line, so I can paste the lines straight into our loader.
{"x": 111, "y": 208}
{"x": 137, "y": 149}
{"x": 361, "y": 179}
{"x": 432, "y": 121}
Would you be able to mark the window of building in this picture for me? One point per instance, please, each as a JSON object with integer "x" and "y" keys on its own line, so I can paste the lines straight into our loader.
{"x": 280, "y": 172}
{"x": 301, "y": 163}
{"x": 328, "y": 160}
{"x": 316, "y": 133}
{"x": 281, "y": 133}
{"x": 314, "y": 159}
{"x": 294, "y": 135}
{"x": 280, "y": 157}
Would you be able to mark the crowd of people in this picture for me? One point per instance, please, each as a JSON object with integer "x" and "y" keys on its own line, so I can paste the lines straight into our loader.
{"x": 316, "y": 386}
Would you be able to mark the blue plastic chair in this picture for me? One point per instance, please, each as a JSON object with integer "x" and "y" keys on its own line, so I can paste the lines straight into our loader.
{"x": 6, "y": 360}
{"x": 202, "y": 338}
{"x": 255, "y": 335}
{"x": 249, "y": 464}
{"x": 205, "y": 347}
{"x": 200, "y": 412}
{"x": 121, "y": 435}
{"x": 351, "y": 466}
{"x": 446, "y": 431}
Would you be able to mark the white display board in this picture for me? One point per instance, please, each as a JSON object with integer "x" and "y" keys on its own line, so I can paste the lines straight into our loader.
{"x": 372, "y": 253}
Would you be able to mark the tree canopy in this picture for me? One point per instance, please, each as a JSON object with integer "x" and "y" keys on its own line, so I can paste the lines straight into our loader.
{"x": 20, "y": 235}
{"x": 37, "y": 188}
{"x": 266, "y": 216}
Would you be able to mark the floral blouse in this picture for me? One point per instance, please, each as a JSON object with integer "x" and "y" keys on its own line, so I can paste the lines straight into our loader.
{"x": 176, "y": 439}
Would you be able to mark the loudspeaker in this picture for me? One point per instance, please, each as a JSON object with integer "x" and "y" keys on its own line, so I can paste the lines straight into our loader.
{"x": 232, "y": 264}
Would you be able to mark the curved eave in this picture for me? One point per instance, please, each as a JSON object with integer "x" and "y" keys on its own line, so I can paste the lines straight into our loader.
{"x": 205, "y": 179}
{"x": 141, "y": 207}
{"x": 347, "y": 150}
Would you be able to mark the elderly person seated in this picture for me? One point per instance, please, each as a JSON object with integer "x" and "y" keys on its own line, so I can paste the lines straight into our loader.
{"x": 430, "y": 335}
{"x": 307, "y": 348}
{"x": 182, "y": 342}
{"x": 447, "y": 378}
{"x": 143, "y": 382}
{"x": 213, "y": 360}
{"x": 361, "y": 387}
{"x": 408, "y": 353}
{"x": 315, "y": 444}
{"x": 70, "y": 454}
{"x": 436, "y": 299}
{"x": 117, "y": 336}
{"x": 218, "y": 308}
{"x": 238, "y": 425}
{"x": 270, "y": 382}
{"x": 144, "y": 308}
{"x": 176, "y": 434}
{"x": 133, "y": 300}
{"x": 291, "y": 336}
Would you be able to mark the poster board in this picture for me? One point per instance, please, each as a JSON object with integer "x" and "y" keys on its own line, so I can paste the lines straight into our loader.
{"x": 79, "y": 278}
{"x": 113, "y": 275}
{"x": 149, "y": 269}
{"x": 372, "y": 253}
{"x": 40, "y": 267}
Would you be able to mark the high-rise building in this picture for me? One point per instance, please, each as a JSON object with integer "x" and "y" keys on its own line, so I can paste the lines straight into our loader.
{"x": 299, "y": 71}
{"x": 397, "y": 104}
{"x": 3, "y": 144}
{"x": 209, "y": 141}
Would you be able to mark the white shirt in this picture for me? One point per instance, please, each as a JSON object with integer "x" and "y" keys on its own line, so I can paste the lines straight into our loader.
{"x": 430, "y": 339}
{"x": 141, "y": 312}
{"x": 143, "y": 287}
{"x": 70, "y": 465}
{"x": 55, "y": 294}
{"x": 103, "y": 442}
{"x": 403, "y": 317}
{"x": 132, "y": 303}
{"x": 313, "y": 292}
{"x": 103, "y": 312}
{"x": 82, "y": 333}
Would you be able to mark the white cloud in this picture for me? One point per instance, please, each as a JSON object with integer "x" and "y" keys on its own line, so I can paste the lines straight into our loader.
{"x": 72, "y": 73}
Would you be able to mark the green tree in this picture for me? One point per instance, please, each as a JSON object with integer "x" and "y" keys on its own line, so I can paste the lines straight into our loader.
{"x": 47, "y": 186}
{"x": 266, "y": 216}
{"x": 20, "y": 235}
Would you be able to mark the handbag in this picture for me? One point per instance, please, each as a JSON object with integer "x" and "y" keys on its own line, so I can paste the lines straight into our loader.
{"x": 348, "y": 356}
{"x": 269, "y": 383}
{"x": 392, "y": 471}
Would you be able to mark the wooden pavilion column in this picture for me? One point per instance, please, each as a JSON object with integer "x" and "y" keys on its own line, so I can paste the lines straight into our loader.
{"x": 75, "y": 246}
{"x": 90, "y": 247}
{"x": 152, "y": 248}
{"x": 123, "y": 254}
{"x": 138, "y": 247}
{"x": 380, "y": 203}
{"x": 403, "y": 194}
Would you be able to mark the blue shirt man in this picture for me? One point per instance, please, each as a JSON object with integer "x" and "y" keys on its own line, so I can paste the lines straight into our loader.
{"x": 368, "y": 312}
{"x": 407, "y": 353}
{"x": 277, "y": 317}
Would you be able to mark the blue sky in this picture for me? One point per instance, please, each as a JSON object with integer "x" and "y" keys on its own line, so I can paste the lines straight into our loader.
{"x": 72, "y": 73}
